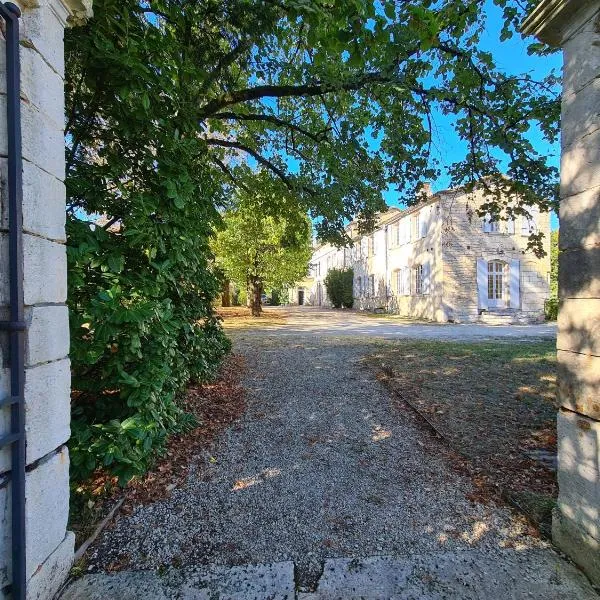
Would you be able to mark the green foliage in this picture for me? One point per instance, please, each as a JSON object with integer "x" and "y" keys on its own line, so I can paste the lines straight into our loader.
{"x": 551, "y": 305}
{"x": 551, "y": 309}
{"x": 554, "y": 264}
{"x": 258, "y": 250}
{"x": 173, "y": 108}
{"x": 140, "y": 287}
{"x": 340, "y": 287}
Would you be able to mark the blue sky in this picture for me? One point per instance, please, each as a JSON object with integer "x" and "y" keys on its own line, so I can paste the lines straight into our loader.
{"x": 511, "y": 56}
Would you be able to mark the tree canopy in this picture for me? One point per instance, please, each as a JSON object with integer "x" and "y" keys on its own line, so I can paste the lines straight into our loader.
{"x": 174, "y": 107}
{"x": 304, "y": 87}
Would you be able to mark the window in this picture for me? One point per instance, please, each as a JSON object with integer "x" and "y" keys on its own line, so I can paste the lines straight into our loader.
{"x": 371, "y": 244}
{"x": 416, "y": 227}
{"x": 423, "y": 218}
{"x": 360, "y": 290}
{"x": 372, "y": 285}
{"x": 418, "y": 280}
{"x": 364, "y": 247}
{"x": 495, "y": 280}
{"x": 527, "y": 225}
{"x": 490, "y": 225}
{"x": 421, "y": 279}
{"x": 403, "y": 281}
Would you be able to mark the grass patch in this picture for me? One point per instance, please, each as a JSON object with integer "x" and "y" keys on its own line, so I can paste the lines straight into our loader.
{"x": 495, "y": 403}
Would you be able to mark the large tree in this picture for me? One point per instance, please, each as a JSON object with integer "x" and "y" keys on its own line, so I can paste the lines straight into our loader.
{"x": 173, "y": 106}
{"x": 259, "y": 251}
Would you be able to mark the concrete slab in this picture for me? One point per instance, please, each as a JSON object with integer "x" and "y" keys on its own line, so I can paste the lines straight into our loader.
{"x": 274, "y": 581}
{"x": 470, "y": 575}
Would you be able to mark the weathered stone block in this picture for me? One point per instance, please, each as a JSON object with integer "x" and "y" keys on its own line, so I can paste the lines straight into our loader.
{"x": 579, "y": 325}
{"x": 40, "y": 258}
{"x": 579, "y": 273}
{"x": 580, "y": 220}
{"x": 39, "y": 134}
{"x": 47, "y": 497}
{"x": 42, "y": 31}
{"x": 582, "y": 548}
{"x": 47, "y": 507}
{"x": 579, "y": 164}
{"x": 41, "y": 86}
{"x": 581, "y": 64}
{"x": 579, "y": 382}
{"x": 48, "y": 334}
{"x": 46, "y": 581}
{"x": 43, "y": 202}
{"x": 47, "y": 408}
{"x": 580, "y": 114}
{"x": 579, "y": 470}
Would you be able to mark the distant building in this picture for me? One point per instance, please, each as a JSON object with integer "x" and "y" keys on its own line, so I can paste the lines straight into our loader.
{"x": 440, "y": 261}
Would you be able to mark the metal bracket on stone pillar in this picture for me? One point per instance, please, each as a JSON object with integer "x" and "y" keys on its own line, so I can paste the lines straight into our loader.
{"x": 16, "y": 326}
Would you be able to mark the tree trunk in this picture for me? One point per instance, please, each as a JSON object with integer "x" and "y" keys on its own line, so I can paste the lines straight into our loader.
{"x": 226, "y": 293}
{"x": 256, "y": 303}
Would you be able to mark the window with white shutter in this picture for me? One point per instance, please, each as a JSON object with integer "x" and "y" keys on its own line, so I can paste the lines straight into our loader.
{"x": 482, "y": 283}
{"x": 418, "y": 279}
{"x": 423, "y": 222}
{"x": 416, "y": 227}
{"x": 490, "y": 225}
{"x": 426, "y": 278}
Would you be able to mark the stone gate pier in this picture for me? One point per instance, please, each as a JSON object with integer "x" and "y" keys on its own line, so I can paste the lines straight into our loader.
{"x": 48, "y": 544}
{"x": 574, "y": 25}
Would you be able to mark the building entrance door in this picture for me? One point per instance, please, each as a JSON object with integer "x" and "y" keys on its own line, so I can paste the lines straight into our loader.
{"x": 497, "y": 284}
{"x": 300, "y": 297}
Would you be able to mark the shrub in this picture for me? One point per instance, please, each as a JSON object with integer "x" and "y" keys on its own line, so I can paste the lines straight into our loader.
{"x": 551, "y": 309}
{"x": 339, "y": 284}
{"x": 141, "y": 285}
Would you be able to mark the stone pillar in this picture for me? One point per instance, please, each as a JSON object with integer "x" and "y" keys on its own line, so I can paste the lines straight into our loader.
{"x": 574, "y": 25}
{"x": 49, "y": 545}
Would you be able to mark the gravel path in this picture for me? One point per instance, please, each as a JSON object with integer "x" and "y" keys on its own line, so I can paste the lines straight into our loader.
{"x": 321, "y": 465}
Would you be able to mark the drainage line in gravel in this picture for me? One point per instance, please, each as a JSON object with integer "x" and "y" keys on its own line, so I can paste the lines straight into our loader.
{"x": 503, "y": 492}
{"x": 101, "y": 526}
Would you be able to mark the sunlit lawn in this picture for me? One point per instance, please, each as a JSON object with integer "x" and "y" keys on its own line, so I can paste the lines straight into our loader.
{"x": 495, "y": 403}
{"x": 240, "y": 317}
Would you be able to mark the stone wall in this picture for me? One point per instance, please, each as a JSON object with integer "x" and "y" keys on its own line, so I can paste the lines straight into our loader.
{"x": 49, "y": 546}
{"x": 464, "y": 241}
{"x": 425, "y": 250}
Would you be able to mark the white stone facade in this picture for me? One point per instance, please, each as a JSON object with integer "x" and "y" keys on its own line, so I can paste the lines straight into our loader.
{"x": 439, "y": 261}
{"x": 49, "y": 546}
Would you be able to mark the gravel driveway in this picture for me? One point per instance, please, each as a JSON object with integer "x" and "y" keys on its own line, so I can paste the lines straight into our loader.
{"x": 320, "y": 466}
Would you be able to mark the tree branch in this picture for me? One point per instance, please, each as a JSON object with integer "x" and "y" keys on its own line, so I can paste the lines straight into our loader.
{"x": 318, "y": 137}
{"x": 286, "y": 91}
{"x": 258, "y": 157}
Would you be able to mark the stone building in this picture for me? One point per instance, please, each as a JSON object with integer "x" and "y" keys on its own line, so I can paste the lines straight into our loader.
{"x": 440, "y": 261}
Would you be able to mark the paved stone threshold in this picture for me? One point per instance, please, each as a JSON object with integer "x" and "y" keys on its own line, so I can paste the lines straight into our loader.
{"x": 469, "y": 575}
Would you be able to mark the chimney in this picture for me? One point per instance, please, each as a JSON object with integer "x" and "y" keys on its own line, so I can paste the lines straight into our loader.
{"x": 425, "y": 189}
